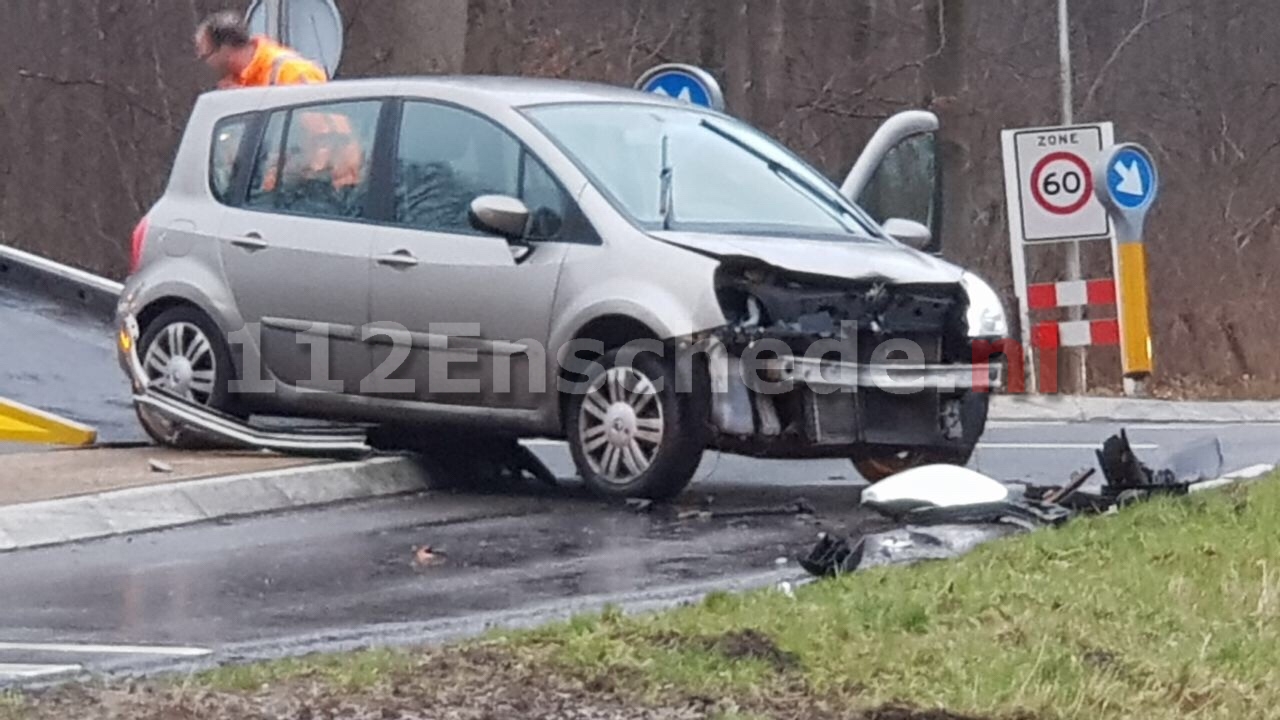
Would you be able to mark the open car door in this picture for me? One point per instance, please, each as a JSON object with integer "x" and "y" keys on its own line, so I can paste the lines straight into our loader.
{"x": 896, "y": 179}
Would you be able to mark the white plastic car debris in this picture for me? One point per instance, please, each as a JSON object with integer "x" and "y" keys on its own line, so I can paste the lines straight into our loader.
{"x": 933, "y": 487}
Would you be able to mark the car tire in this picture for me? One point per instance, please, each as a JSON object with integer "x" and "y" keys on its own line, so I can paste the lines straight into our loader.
{"x": 882, "y": 463}
{"x": 208, "y": 370}
{"x": 632, "y": 434}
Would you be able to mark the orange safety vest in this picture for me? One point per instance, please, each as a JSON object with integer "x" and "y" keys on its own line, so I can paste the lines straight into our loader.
{"x": 329, "y": 142}
{"x": 275, "y": 64}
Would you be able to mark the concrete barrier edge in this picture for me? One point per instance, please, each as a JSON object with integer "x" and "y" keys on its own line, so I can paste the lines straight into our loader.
{"x": 121, "y": 512}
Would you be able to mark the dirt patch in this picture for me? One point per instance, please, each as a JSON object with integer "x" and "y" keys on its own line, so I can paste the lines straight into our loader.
{"x": 737, "y": 645}
{"x": 753, "y": 645}
{"x": 478, "y": 683}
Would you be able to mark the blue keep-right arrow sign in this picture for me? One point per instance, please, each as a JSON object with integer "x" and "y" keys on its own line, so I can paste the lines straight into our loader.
{"x": 1131, "y": 178}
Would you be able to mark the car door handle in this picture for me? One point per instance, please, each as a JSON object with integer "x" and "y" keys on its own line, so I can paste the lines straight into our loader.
{"x": 399, "y": 258}
{"x": 250, "y": 241}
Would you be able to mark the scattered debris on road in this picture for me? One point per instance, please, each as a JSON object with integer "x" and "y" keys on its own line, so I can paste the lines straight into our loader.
{"x": 425, "y": 555}
{"x": 640, "y": 505}
{"x": 159, "y": 466}
{"x": 948, "y": 510}
{"x": 833, "y": 556}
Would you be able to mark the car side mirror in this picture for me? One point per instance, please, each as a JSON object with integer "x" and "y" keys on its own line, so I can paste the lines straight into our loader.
{"x": 502, "y": 215}
{"x": 908, "y": 232}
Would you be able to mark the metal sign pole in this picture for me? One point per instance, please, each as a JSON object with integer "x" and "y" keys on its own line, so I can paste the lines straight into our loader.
{"x": 1074, "y": 270}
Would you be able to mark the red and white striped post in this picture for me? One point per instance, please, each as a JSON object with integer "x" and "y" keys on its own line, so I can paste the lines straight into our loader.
{"x": 1047, "y": 337}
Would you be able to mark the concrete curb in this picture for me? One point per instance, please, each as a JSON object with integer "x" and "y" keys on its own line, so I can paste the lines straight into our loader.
{"x": 1131, "y": 410}
{"x": 120, "y": 512}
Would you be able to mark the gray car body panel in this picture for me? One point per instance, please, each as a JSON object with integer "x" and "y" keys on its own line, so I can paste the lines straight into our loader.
{"x": 663, "y": 281}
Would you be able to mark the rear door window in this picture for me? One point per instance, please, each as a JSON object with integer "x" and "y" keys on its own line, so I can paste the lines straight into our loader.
{"x": 317, "y": 160}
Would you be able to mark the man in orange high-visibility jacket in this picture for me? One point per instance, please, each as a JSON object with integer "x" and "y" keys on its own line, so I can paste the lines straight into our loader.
{"x": 224, "y": 44}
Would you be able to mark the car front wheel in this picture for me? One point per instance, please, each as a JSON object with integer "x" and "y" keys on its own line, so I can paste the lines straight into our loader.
{"x": 632, "y": 433}
{"x": 183, "y": 353}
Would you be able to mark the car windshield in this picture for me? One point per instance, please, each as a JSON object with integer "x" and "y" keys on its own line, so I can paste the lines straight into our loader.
{"x": 685, "y": 169}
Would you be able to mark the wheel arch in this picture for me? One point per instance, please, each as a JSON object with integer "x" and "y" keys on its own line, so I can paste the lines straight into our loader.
{"x": 612, "y": 330}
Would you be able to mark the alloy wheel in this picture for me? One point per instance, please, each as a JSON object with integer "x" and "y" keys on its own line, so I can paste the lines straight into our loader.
{"x": 621, "y": 425}
{"x": 181, "y": 360}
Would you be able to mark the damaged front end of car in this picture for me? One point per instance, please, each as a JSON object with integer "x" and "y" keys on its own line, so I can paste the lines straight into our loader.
{"x": 817, "y": 366}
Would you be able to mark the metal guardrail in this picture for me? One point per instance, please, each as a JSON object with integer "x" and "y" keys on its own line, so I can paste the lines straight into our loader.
{"x": 64, "y": 272}
{"x": 94, "y": 292}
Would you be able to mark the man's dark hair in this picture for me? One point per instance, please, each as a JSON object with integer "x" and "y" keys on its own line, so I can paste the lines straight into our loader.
{"x": 226, "y": 29}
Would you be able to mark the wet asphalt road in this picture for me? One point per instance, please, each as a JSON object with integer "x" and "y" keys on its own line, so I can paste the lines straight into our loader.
{"x": 61, "y": 359}
{"x": 277, "y": 584}
{"x": 299, "y": 579}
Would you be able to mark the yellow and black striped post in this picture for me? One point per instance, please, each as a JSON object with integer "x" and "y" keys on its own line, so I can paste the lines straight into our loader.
{"x": 1127, "y": 183}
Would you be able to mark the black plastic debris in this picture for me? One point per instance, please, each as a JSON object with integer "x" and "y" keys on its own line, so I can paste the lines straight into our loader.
{"x": 832, "y": 556}
{"x": 1127, "y": 479}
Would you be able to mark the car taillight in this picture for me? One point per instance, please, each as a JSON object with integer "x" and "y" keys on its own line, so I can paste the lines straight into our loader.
{"x": 135, "y": 251}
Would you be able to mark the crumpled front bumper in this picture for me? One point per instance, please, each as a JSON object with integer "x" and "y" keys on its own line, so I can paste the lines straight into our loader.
{"x": 798, "y": 406}
{"x": 897, "y": 378}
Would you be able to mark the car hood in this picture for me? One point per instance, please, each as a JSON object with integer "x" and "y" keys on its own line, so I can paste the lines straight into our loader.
{"x": 852, "y": 260}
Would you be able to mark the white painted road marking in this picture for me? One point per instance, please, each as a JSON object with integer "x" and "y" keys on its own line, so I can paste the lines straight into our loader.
{"x": 88, "y": 649}
{"x": 1056, "y": 446}
{"x": 20, "y": 671}
{"x": 981, "y": 446}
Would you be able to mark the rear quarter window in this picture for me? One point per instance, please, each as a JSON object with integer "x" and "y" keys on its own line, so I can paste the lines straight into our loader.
{"x": 227, "y": 143}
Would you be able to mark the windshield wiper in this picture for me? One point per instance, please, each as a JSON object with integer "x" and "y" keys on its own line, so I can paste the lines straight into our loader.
{"x": 666, "y": 197}
{"x": 778, "y": 168}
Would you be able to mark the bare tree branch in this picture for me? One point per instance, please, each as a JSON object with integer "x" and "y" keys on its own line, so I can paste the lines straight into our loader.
{"x": 1144, "y": 21}
{"x": 1245, "y": 236}
{"x": 846, "y": 112}
{"x": 126, "y": 94}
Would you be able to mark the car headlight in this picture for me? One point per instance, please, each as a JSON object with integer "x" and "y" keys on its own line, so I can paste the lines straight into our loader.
{"x": 986, "y": 313}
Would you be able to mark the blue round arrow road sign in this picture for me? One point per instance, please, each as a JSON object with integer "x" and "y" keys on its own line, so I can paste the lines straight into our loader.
{"x": 1131, "y": 178}
{"x": 683, "y": 82}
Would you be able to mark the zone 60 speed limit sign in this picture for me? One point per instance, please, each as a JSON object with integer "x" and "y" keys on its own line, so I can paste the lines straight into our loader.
{"x": 1048, "y": 172}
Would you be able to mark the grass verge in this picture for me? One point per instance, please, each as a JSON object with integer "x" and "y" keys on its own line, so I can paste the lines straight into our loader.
{"x": 1166, "y": 611}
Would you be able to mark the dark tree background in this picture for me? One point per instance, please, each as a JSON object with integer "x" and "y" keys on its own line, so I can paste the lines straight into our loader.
{"x": 96, "y": 93}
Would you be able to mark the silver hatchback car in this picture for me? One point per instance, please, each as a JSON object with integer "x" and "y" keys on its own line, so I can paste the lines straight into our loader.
{"x": 539, "y": 258}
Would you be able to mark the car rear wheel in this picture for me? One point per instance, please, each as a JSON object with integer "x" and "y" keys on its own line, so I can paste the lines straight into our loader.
{"x": 879, "y": 463}
{"x": 183, "y": 352}
{"x": 632, "y": 435}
